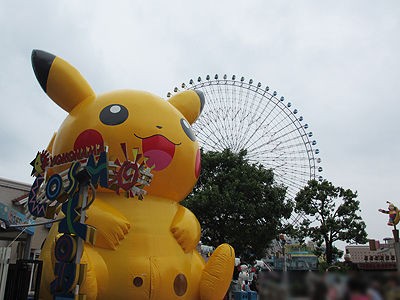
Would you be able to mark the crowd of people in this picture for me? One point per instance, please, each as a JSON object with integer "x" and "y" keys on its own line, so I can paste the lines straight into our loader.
{"x": 331, "y": 285}
{"x": 354, "y": 286}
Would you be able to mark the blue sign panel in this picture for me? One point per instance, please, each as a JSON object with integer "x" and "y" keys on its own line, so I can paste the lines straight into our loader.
{"x": 13, "y": 217}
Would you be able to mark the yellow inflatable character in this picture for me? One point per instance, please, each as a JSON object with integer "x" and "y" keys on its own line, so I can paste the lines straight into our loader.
{"x": 145, "y": 249}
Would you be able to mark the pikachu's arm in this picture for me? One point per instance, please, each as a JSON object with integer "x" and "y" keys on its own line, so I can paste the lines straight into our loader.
{"x": 111, "y": 226}
{"x": 186, "y": 229}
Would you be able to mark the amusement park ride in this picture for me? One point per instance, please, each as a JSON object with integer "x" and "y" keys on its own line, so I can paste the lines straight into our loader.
{"x": 241, "y": 114}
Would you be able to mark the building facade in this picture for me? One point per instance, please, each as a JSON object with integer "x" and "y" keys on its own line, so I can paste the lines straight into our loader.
{"x": 289, "y": 254}
{"x": 375, "y": 256}
{"x": 25, "y": 242}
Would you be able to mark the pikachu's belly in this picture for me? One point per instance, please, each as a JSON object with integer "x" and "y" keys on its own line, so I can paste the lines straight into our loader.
{"x": 149, "y": 277}
{"x": 150, "y": 222}
{"x": 149, "y": 263}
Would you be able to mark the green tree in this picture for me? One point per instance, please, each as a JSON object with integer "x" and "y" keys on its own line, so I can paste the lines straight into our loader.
{"x": 331, "y": 214}
{"x": 238, "y": 203}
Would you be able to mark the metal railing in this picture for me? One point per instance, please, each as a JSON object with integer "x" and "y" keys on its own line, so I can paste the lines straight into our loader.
{"x": 5, "y": 254}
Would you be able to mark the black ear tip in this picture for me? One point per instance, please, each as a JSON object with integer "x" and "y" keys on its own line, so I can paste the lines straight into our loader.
{"x": 40, "y": 56}
{"x": 202, "y": 99}
{"x": 35, "y": 51}
{"x": 41, "y": 63}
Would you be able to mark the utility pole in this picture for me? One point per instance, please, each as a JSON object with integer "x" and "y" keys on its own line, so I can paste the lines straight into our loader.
{"x": 84, "y": 180}
{"x": 285, "y": 274}
{"x": 396, "y": 247}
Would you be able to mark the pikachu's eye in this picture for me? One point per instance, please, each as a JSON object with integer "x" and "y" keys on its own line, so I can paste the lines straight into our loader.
{"x": 113, "y": 114}
{"x": 187, "y": 129}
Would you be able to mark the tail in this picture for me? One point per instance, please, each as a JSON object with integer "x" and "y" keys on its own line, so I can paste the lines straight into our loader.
{"x": 217, "y": 274}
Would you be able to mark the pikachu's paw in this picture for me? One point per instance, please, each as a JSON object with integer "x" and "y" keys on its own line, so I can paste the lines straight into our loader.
{"x": 187, "y": 240}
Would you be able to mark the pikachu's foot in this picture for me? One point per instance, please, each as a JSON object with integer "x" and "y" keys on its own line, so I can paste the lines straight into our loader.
{"x": 217, "y": 274}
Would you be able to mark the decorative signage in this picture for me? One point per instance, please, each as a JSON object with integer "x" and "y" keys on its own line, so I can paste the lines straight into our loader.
{"x": 62, "y": 181}
{"x": 56, "y": 176}
{"x": 10, "y": 216}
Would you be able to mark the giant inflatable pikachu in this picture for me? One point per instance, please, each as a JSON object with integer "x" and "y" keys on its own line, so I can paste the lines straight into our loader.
{"x": 145, "y": 249}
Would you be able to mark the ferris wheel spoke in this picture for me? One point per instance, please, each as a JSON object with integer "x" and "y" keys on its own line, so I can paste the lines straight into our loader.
{"x": 260, "y": 124}
{"x": 209, "y": 114}
{"x": 294, "y": 161}
{"x": 289, "y": 171}
{"x": 231, "y": 107}
{"x": 223, "y": 103}
{"x": 263, "y": 154}
{"x": 247, "y": 97}
{"x": 292, "y": 184}
{"x": 283, "y": 145}
{"x": 279, "y": 137}
{"x": 251, "y": 135}
{"x": 210, "y": 142}
{"x": 283, "y": 128}
{"x": 210, "y": 146}
{"x": 290, "y": 146}
{"x": 211, "y": 126}
{"x": 229, "y": 101}
{"x": 207, "y": 136}
{"x": 288, "y": 122}
{"x": 236, "y": 120}
{"x": 290, "y": 166}
{"x": 228, "y": 136}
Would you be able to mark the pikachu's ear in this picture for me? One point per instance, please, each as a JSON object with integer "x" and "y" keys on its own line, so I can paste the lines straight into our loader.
{"x": 190, "y": 103}
{"x": 60, "y": 81}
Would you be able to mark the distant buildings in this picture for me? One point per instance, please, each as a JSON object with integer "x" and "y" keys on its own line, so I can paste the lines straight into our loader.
{"x": 19, "y": 246}
{"x": 375, "y": 256}
{"x": 292, "y": 256}
{"x": 25, "y": 242}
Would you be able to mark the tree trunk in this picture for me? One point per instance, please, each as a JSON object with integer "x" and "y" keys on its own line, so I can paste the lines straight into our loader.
{"x": 328, "y": 251}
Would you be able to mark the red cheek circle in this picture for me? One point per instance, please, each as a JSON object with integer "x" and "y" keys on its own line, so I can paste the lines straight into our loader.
{"x": 197, "y": 166}
{"x": 88, "y": 138}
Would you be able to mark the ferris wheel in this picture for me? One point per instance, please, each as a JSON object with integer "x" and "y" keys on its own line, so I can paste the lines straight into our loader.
{"x": 242, "y": 115}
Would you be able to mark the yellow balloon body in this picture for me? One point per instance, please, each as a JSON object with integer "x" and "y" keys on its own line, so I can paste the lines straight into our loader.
{"x": 145, "y": 249}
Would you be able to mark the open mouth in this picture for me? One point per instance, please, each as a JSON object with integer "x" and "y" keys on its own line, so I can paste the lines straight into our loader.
{"x": 159, "y": 151}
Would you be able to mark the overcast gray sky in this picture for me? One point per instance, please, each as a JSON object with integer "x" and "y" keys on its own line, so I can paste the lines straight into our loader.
{"x": 336, "y": 61}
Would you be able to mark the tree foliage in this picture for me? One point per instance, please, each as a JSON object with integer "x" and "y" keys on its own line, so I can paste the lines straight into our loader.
{"x": 237, "y": 203}
{"x": 332, "y": 214}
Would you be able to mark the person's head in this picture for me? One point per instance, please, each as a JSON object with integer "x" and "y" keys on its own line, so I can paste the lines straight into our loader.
{"x": 347, "y": 257}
